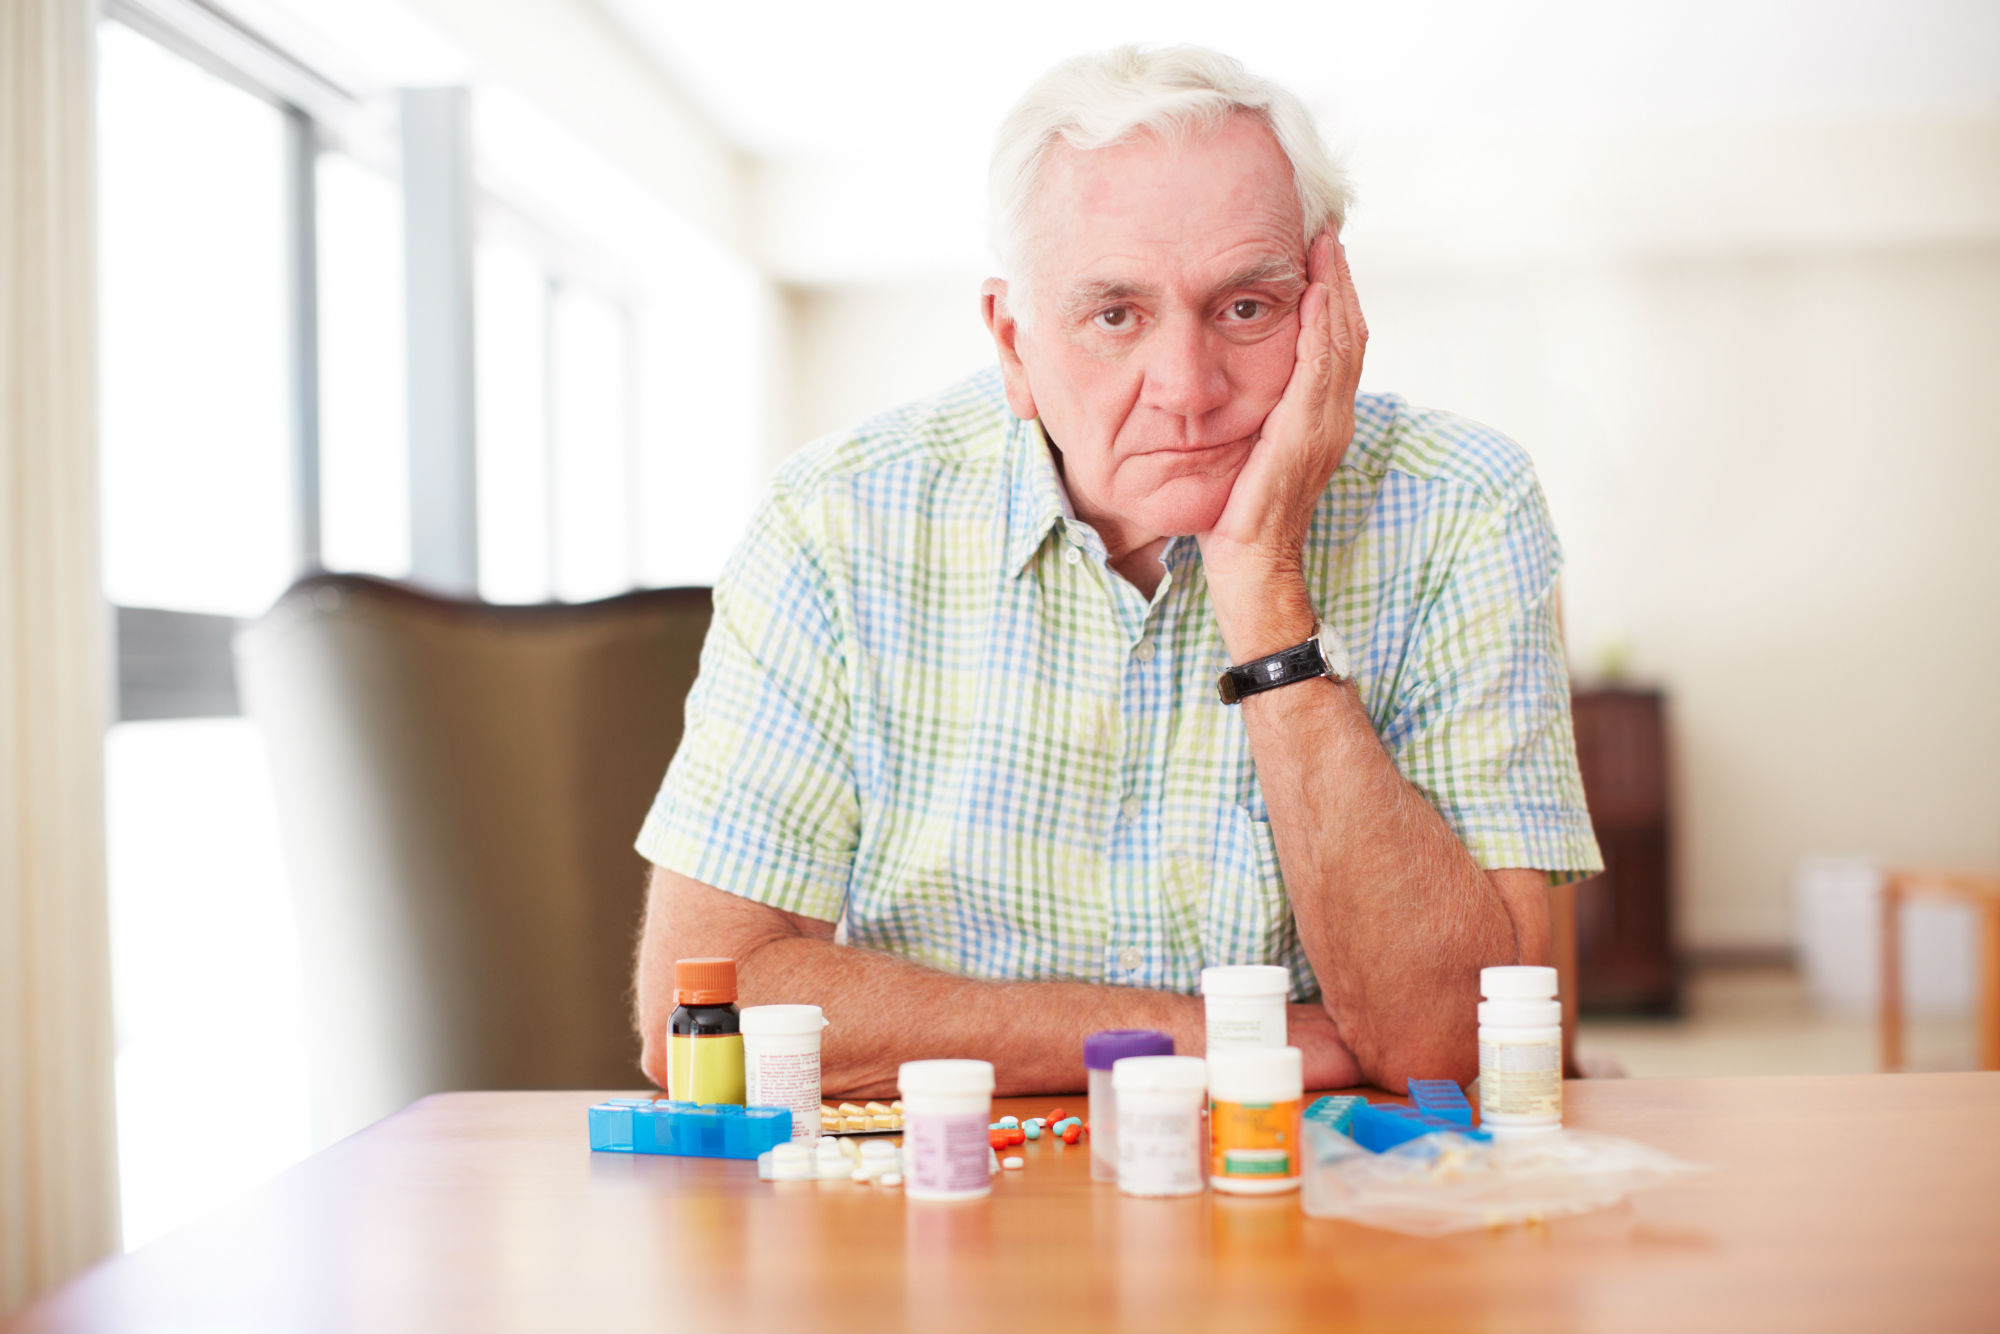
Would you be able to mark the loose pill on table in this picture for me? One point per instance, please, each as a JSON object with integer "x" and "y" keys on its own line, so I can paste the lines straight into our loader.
{"x": 1009, "y": 1122}
{"x": 1031, "y": 1130}
{"x": 1013, "y": 1164}
{"x": 998, "y": 1139}
{"x": 1072, "y": 1135}
{"x": 1055, "y": 1115}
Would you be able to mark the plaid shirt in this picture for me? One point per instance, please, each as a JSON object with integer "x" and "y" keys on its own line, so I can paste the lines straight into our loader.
{"x": 927, "y": 705}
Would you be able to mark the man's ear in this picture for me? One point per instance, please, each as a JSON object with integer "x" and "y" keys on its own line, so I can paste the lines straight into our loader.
{"x": 1006, "y": 331}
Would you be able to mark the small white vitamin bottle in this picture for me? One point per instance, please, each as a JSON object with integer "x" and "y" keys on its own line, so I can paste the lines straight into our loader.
{"x": 1161, "y": 1148}
{"x": 1244, "y": 1005}
{"x": 1520, "y": 1051}
{"x": 947, "y": 1106}
{"x": 781, "y": 1062}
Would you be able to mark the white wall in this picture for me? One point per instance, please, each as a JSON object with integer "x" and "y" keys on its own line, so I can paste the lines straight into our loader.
{"x": 859, "y": 349}
{"x": 1769, "y": 431}
{"x": 1773, "y": 474}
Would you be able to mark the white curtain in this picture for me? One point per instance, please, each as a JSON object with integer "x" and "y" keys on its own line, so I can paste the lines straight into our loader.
{"x": 58, "y": 1198}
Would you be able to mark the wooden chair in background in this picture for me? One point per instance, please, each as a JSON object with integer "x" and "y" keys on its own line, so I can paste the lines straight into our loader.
{"x": 1983, "y": 893}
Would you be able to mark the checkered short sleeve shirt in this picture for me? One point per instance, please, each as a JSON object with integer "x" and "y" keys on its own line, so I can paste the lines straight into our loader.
{"x": 928, "y": 706}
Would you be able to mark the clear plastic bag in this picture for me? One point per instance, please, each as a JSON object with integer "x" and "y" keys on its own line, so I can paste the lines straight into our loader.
{"x": 1451, "y": 1183}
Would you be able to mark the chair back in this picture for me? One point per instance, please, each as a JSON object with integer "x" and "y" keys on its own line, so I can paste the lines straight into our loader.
{"x": 458, "y": 789}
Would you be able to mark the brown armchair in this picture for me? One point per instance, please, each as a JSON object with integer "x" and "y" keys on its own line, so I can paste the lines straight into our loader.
{"x": 458, "y": 788}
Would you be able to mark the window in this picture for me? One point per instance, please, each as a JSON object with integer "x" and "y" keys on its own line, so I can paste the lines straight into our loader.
{"x": 198, "y": 518}
{"x": 511, "y": 342}
{"x": 592, "y": 481}
{"x": 198, "y": 512}
{"x": 364, "y": 461}
{"x": 557, "y": 463}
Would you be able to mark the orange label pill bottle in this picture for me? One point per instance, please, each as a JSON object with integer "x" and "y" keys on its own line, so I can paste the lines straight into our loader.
{"x": 1256, "y": 1096}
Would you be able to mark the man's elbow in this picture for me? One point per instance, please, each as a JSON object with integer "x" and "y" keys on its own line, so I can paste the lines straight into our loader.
{"x": 1433, "y": 1050}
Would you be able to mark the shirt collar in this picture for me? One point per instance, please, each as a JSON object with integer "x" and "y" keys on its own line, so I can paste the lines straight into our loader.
{"x": 1036, "y": 499}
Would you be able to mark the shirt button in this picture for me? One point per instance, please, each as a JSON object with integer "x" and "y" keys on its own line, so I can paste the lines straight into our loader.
{"x": 1144, "y": 650}
{"x": 1129, "y": 958}
{"x": 1130, "y": 808}
{"x": 1071, "y": 556}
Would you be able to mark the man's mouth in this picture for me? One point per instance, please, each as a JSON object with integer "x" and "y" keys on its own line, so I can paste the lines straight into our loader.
{"x": 1217, "y": 447}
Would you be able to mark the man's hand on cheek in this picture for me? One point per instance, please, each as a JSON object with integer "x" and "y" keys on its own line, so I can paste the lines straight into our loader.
{"x": 1253, "y": 553}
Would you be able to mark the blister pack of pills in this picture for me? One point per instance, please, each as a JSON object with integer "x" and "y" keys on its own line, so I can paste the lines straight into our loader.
{"x": 861, "y": 1118}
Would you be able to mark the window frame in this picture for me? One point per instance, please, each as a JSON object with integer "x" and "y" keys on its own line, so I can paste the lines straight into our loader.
{"x": 178, "y": 664}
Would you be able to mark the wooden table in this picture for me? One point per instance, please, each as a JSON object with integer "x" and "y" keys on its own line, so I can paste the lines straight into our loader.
{"x": 1866, "y": 1202}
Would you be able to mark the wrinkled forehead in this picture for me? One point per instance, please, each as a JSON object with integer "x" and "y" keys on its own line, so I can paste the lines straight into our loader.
{"x": 1165, "y": 201}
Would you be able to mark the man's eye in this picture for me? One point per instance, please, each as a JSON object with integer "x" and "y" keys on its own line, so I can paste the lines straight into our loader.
{"x": 1115, "y": 318}
{"x": 1246, "y": 309}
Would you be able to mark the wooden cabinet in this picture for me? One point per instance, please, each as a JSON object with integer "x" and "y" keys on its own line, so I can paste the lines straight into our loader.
{"x": 1626, "y": 960}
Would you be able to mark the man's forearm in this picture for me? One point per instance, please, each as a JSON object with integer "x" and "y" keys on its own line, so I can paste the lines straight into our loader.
{"x": 1392, "y": 910}
{"x": 883, "y": 1011}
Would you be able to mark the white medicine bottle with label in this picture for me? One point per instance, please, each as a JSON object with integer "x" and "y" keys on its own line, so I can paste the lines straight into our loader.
{"x": 1520, "y": 1051}
{"x": 1245, "y": 1005}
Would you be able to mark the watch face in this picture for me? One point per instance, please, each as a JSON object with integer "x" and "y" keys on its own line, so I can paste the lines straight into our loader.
{"x": 1333, "y": 650}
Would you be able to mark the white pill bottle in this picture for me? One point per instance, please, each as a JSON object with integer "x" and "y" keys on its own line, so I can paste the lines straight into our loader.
{"x": 947, "y": 1106}
{"x": 781, "y": 1062}
{"x": 1161, "y": 1144}
{"x": 1245, "y": 1005}
{"x": 1520, "y": 1051}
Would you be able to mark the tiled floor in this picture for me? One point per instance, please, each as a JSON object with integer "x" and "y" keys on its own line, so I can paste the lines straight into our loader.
{"x": 1746, "y": 1021}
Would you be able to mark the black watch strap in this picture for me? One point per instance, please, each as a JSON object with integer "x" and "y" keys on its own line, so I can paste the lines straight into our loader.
{"x": 1300, "y": 662}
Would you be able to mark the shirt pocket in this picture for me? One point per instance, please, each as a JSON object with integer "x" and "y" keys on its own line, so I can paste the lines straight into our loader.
{"x": 1247, "y": 917}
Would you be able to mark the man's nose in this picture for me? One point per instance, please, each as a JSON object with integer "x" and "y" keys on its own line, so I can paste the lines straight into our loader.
{"x": 1186, "y": 373}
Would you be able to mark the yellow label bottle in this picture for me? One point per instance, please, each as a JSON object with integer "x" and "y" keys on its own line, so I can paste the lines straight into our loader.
{"x": 704, "y": 1034}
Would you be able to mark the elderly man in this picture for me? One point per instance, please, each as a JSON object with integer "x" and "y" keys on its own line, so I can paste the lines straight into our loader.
{"x": 1153, "y": 649}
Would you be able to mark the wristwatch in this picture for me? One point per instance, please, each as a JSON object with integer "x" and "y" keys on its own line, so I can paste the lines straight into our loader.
{"x": 1322, "y": 655}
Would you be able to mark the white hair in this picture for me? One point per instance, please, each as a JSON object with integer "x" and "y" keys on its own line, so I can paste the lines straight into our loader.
{"x": 1179, "y": 94}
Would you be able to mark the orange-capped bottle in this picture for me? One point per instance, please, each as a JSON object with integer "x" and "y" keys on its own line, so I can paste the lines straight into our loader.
{"x": 704, "y": 1035}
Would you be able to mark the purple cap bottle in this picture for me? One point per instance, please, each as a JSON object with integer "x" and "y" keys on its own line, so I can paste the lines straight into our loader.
{"x": 1113, "y": 1044}
{"x": 1100, "y": 1051}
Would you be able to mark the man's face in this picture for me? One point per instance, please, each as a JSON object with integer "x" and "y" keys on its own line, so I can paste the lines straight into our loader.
{"x": 1165, "y": 323}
